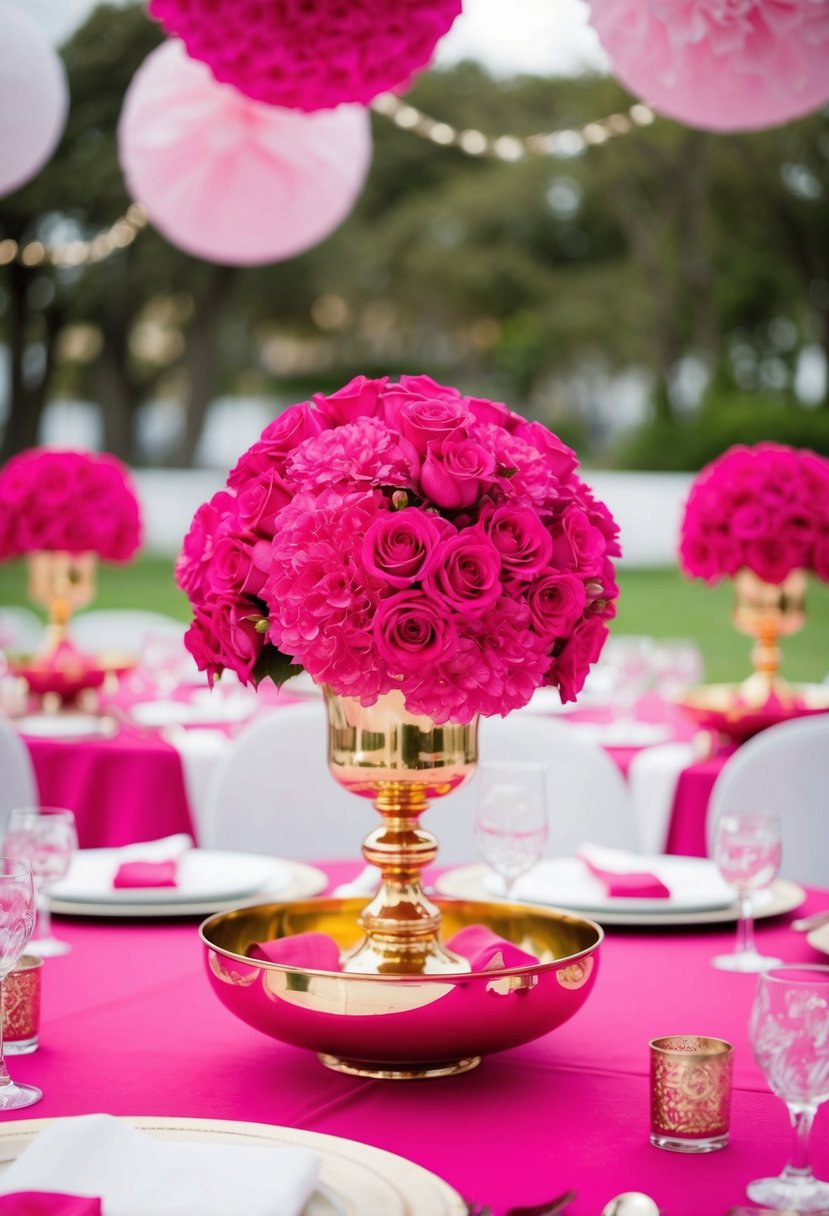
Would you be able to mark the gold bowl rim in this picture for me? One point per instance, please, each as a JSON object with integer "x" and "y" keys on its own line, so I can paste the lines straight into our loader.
{"x": 356, "y": 904}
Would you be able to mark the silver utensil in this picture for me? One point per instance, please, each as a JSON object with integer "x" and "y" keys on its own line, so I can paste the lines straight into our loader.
{"x": 631, "y": 1203}
{"x": 550, "y": 1207}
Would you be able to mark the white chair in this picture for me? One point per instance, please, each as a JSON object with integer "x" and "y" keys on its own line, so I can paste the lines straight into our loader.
{"x": 121, "y": 629}
{"x": 18, "y": 785}
{"x": 21, "y": 630}
{"x": 587, "y": 796}
{"x": 784, "y": 769}
{"x": 272, "y": 793}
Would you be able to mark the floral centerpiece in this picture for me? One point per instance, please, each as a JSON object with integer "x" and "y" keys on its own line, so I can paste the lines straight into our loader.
{"x": 73, "y": 502}
{"x": 763, "y": 509}
{"x": 760, "y": 517}
{"x": 404, "y": 536}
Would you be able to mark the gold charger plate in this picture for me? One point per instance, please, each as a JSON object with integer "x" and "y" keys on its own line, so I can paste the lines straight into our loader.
{"x": 467, "y": 883}
{"x": 304, "y": 881}
{"x": 355, "y": 1179}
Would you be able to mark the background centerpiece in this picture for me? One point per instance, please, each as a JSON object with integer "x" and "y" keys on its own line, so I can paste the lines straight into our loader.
{"x": 64, "y": 511}
{"x": 760, "y": 516}
{"x": 426, "y": 557}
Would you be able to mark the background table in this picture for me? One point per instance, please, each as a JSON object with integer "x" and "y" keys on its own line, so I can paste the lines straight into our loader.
{"x": 131, "y": 1027}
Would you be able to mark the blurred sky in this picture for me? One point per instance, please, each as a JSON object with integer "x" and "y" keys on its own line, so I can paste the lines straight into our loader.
{"x": 508, "y": 36}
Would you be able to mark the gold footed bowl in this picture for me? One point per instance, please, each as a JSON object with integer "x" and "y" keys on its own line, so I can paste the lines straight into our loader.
{"x": 402, "y": 1027}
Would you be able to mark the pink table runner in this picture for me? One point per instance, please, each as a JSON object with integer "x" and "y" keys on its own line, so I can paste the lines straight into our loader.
{"x": 570, "y": 1109}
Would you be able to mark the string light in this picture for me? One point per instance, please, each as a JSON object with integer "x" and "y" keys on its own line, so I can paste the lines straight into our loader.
{"x": 569, "y": 141}
{"x": 563, "y": 143}
{"x": 118, "y": 236}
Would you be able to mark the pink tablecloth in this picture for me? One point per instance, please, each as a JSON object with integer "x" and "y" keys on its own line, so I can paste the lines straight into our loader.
{"x": 130, "y": 1027}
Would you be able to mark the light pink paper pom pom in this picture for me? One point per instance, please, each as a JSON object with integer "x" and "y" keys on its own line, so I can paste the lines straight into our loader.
{"x": 726, "y": 65}
{"x": 309, "y": 54}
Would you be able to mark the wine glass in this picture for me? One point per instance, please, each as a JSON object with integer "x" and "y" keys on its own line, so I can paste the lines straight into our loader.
{"x": 46, "y": 838}
{"x": 511, "y": 817}
{"x": 628, "y": 658}
{"x": 17, "y": 916}
{"x": 747, "y": 848}
{"x": 789, "y": 1032}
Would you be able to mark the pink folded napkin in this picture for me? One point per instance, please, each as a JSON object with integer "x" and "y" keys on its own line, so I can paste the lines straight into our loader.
{"x": 486, "y": 951}
{"x": 630, "y": 884}
{"x": 315, "y": 950}
{"x": 146, "y": 874}
{"x": 48, "y": 1203}
{"x": 483, "y": 948}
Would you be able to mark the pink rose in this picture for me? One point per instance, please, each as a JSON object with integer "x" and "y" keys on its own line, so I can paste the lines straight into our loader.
{"x": 410, "y": 629}
{"x": 239, "y": 565}
{"x": 454, "y": 472}
{"x": 556, "y": 601}
{"x": 239, "y": 641}
{"x": 287, "y": 431}
{"x": 196, "y": 554}
{"x": 260, "y": 502}
{"x": 201, "y": 641}
{"x": 357, "y": 399}
{"x": 559, "y": 457}
{"x": 573, "y": 663}
{"x": 520, "y": 537}
{"x": 771, "y": 558}
{"x": 577, "y": 544}
{"x": 495, "y": 413}
{"x": 467, "y": 575}
{"x": 426, "y": 422}
{"x": 749, "y": 521}
{"x": 400, "y": 546}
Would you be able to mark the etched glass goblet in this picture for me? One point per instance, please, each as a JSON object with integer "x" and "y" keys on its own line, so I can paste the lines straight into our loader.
{"x": 747, "y": 850}
{"x": 17, "y": 916}
{"x": 511, "y": 817}
{"x": 45, "y": 837}
{"x": 789, "y": 1033}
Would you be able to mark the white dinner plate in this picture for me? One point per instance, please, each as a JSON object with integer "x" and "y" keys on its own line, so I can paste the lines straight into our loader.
{"x": 64, "y": 726}
{"x": 202, "y": 874}
{"x": 355, "y": 1179}
{"x": 476, "y": 882}
{"x": 624, "y": 734}
{"x": 303, "y": 881}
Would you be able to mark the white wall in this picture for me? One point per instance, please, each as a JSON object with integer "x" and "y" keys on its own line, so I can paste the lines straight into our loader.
{"x": 647, "y": 506}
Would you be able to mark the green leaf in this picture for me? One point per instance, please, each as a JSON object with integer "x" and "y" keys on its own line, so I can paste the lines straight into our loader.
{"x": 273, "y": 664}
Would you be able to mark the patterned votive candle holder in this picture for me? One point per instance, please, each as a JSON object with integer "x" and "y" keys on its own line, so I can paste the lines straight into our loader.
{"x": 690, "y": 1093}
{"x": 21, "y": 1006}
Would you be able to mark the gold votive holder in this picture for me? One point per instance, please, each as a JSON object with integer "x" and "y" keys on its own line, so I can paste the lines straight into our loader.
{"x": 21, "y": 1006}
{"x": 690, "y": 1093}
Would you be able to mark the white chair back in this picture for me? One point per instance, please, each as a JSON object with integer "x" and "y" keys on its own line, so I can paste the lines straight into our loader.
{"x": 18, "y": 785}
{"x": 121, "y": 629}
{"x": 272, "y": 793}
{"x": 785, "y": 769}
{"x": 587, "y": 797}
{"x": 21, "y": 630}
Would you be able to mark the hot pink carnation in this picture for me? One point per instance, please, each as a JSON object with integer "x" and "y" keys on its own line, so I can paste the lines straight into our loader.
{"x": 402, "y": 536}
{"x": 764, "y": 508}
{"x": 73, "y": 501}
{"x": 307, "y": 54}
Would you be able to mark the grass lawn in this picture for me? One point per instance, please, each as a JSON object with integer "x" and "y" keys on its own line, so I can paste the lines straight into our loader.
{"x": 657, "y": 602}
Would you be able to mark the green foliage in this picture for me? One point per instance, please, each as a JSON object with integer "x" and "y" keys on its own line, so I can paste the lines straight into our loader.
{"x": 687, "y": 444}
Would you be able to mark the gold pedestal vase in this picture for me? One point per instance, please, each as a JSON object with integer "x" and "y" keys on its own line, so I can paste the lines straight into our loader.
{"x": 61, "y": 583}
{"x": 768, "y": 612}
{"x": 400, "y": 760}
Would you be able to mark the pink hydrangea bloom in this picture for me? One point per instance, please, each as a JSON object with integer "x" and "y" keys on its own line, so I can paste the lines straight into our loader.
{"x": 308, "y": 54}
{"x": 402, "y": 536}
{"x": 765, "y": 509}
{"x": 65, "y": 500}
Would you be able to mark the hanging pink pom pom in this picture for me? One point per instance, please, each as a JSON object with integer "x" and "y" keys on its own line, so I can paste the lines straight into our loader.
{"x": 727, "y": 65}
{"x": 309, "y": 54}
{"x": 231, "y": 180}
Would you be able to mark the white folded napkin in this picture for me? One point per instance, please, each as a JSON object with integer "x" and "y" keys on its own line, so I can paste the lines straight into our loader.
{"x": 166, "y": 848}
{"x": 136, "y": 1174}
{"x": 366, "y": 883}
